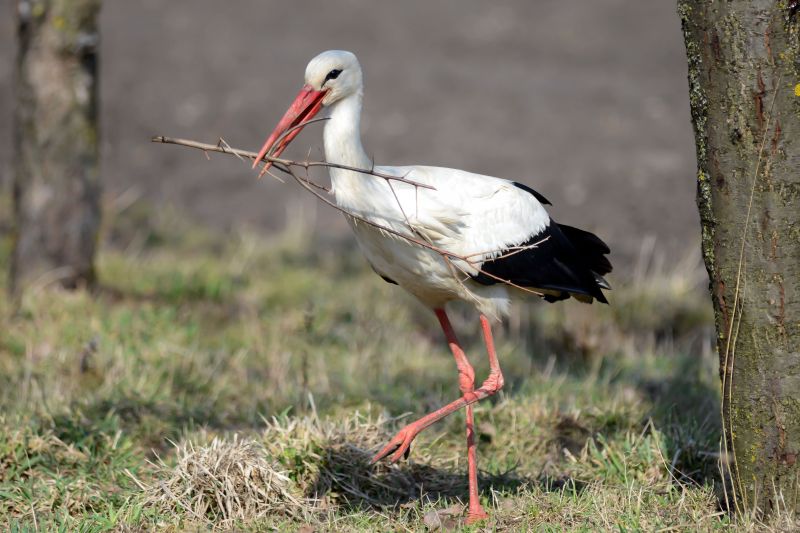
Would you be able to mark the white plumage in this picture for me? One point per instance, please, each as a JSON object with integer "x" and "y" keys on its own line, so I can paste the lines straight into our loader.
{"x": 478, "y": 238}
{"x": 469, "y": 215}
{"x": 465, "y": 214}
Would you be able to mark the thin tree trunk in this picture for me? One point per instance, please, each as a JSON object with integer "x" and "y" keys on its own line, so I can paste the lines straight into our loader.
{"x": 56, "y": 183}
{"x": 744, "y": 86}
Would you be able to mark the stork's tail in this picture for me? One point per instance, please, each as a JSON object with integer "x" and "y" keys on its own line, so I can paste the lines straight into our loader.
{"x": 592, "y": 252}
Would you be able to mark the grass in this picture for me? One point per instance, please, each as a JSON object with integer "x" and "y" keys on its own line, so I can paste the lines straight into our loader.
{"x": 239, "y": 382}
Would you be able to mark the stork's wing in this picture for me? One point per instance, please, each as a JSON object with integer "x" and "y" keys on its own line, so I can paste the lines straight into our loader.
{"x": 470, "y": 215}
{"x": 503, "y": 231}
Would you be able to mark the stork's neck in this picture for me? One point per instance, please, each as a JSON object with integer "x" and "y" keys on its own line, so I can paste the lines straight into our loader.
{"x": 343, "y": 141}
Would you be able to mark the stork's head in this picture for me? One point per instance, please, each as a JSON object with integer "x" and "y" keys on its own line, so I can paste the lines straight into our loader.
{"x": 336, "y": 73}
{"x": 330, "y": 77}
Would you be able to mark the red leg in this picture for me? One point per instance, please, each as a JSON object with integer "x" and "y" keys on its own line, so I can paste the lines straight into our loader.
{"x": 402, "y": 440}
{"x": 475, "y": 512}
{"x": 466, "y": 381}
{"x": 493, "y": 383}
{"x": 466, "y": 374}
{"x": 495, "y": 380}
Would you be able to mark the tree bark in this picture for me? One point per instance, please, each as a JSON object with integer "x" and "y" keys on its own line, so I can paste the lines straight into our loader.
{"x": 56, "y": 182}
{"x": 744, "y": 86}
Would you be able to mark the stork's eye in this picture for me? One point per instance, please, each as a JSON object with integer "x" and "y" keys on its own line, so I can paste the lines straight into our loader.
{"x": 332, "y": 75}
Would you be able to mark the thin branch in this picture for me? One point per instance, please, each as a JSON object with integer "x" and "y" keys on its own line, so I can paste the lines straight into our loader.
{"x": 277, "y": 142}
{"x": 225, "y": 149}
{"x": 510, "y": 251}
{"x": 296, "y": 127}
{"x": 288, "y": 167}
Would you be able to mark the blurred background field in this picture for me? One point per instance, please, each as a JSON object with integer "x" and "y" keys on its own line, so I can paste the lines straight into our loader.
{"x": 240, "y": 360}
{"x": 587, "y": 102}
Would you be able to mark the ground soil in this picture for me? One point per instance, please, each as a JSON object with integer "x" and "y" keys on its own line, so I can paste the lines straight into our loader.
{"x": 584, "y": 101}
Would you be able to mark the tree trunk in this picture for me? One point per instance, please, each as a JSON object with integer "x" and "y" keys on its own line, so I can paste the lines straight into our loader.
{"x": 744, "y": 69}
{"x": 56, "y": 182}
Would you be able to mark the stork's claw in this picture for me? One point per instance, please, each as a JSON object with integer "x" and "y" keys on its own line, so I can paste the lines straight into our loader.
{"x": 399, "y": 446}
{"x": 475, "y": 516}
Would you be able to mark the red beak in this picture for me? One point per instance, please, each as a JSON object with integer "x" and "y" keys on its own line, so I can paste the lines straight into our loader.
{"x": 307, "y": 104}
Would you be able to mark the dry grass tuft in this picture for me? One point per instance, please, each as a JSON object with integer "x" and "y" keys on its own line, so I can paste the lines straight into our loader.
{"x": 301, "y": 468}
{"x": 225, "y": 482}
{"x": 331, "y": 461}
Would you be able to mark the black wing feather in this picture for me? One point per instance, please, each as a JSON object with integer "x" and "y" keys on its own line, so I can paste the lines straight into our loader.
{"x": 591, "y": 247}
{"x": 560, "y": 258}
{"x": 536, "y": 194}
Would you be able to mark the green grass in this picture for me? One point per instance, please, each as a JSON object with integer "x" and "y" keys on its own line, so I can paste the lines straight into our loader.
{"x": 287, "y": 363}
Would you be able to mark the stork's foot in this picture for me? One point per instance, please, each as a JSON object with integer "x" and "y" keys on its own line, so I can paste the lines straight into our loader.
{"x": 476, "y": 515}
{"x": 400, "y": 444}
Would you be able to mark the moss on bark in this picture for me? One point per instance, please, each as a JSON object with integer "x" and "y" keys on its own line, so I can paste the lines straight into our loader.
{"x": 743, "y": 65}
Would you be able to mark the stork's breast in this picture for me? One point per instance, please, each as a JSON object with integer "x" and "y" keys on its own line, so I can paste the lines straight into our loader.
{"x": 412, "y": 266}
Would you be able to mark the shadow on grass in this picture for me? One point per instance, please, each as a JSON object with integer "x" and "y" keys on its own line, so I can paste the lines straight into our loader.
{"x": 686, "y": 408}
{"x": 675, "y": 380}
{"x": 346, "y": 477}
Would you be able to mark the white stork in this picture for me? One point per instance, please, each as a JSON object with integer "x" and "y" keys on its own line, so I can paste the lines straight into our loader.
{"x": 468, "y": 237}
